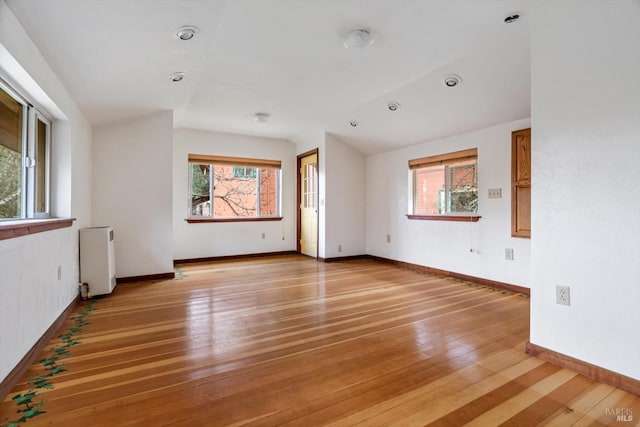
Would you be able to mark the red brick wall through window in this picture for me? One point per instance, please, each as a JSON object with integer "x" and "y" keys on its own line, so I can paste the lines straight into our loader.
{"x": 428, "y": 184}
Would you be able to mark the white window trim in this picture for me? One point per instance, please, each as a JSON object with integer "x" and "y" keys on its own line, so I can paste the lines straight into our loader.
{"x": 445, "y": 159}
{"x": 31, "y": 115}
{"x": 258, "y": 215}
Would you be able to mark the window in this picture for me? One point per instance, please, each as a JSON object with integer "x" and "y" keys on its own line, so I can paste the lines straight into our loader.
{"x": 445, "y": 184}
{"x": 25, "y": 146}
{"x": 231, "y": 187}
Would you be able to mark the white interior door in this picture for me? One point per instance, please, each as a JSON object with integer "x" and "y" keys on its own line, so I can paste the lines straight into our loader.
{"x": 309, "y": 205}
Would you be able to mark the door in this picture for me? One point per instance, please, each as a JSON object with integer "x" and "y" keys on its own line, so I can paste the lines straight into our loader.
{"x": 521, "y": 183}
{"x": 309, "y": 205}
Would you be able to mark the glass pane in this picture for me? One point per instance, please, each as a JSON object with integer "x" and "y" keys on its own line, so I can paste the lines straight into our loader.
{"x": 309, "y": 186}
{"x": 200, "y": 177}
{"x": 463, "y": 189}
{"x": 11, "y": 154}
{"x": 244, "y": 172}
{"x": 429, "y": 191}
{"x": 41, "y": 167}
{"x": 268, "y": 192}
{"x": 233, "y": 196}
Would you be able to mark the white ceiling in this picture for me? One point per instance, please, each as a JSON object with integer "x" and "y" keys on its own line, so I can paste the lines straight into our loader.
{"x": 286, "y": 58}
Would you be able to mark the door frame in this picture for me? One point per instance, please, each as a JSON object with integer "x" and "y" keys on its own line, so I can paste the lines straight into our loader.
{"x": 299, "y": 199}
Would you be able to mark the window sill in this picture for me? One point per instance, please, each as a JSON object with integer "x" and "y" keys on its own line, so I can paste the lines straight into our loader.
{"x": 459, "y": 218}
{"x": 249, "y": 219}
{"x": 24, "y": 227}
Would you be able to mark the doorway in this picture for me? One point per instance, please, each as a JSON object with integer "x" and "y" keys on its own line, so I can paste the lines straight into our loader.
{"x": 308, "y": 203}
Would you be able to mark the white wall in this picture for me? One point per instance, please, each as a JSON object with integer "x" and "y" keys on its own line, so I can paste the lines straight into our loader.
{"x": 344, "y": 199}
{"x": 585, "y": 198}
{"x": 204, "y": 240}
{"x": 475, "y": 249}
{"x": 132, "y": 173}
{"x": 31, "y": 296}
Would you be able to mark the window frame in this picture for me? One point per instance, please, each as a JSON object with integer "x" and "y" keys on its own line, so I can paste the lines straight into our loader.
{"x": 446, "y": 160}
{"x": 236, "y": 163}
{"x": 32, "y": 151}
{"x": 29, "y": 158}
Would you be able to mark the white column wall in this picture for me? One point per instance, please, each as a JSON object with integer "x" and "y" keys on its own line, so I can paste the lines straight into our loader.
{"x": 344, "y": 199}
{"x": 132, "y": 174}
{"x": 586, "y": 157}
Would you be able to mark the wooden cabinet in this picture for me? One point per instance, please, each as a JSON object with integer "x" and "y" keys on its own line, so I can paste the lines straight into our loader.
{"x": 521, "y": 183}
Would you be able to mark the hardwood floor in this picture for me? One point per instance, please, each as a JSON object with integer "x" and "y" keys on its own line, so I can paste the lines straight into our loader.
{"x": 286, "y": 340}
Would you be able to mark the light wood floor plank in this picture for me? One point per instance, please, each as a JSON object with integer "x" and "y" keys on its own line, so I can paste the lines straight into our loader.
{"x": 576, "y": 408}
{"x": 287, "y": 340}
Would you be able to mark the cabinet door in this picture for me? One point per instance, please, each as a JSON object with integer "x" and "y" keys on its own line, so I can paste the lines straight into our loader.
{"x": 521, "y": 183}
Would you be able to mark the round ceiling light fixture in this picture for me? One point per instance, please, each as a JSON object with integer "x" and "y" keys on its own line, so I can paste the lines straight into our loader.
{"x": 261, "y": 117}
{"x": 452, "y": 80}
{"x": 187, "y": 32}
{"x": 177, "y": 77}
{"x": 354, "y": 123}
{"x": 359, "y": 38}
{"x": 511, "y": 18}
{"x": 393, "y": 106}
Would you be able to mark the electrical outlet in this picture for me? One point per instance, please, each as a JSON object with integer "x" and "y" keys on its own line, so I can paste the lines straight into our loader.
{"x": 388, "y": 238}
{"x": 562, "y": 295}
{"x": 59, "y": 272}
{"x": 495, "y": 193}
{"x": 508, "y": 254}
{"x": 339, "y": 248}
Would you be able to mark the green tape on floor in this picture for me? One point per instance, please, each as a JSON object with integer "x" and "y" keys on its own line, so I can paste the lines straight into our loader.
{"x": 30, "y": 403}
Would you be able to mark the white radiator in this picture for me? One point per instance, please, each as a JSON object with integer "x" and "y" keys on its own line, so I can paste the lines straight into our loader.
{"x": 97, "y": 259}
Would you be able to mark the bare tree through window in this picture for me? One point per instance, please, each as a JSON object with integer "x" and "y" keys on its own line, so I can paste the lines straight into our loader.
{"x": 443, "y": 189}
{"x": 10, "y": 185}
{"x": 233, "y": 191}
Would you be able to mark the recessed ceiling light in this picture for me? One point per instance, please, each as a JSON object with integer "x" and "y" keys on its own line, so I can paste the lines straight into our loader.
{"x": 354, "y": 123}
{"x": 187, "y": 32}
{"x": 393, "y": 106}
{"x": 261, "y": 117}
{"x": 359, "y": 38}
{"x": 511, "y": 18}
{"x": 177, "y": 77}
{"x": 452, "y": 80}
